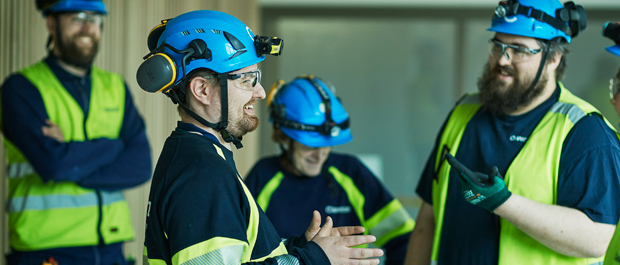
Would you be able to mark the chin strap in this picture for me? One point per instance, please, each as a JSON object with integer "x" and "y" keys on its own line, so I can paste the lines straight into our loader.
{"x": 543, "y": 61}
{"x": 220, "y": 126}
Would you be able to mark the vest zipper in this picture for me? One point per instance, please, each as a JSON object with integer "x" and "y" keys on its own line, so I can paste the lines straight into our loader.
{"x": 85, "y": 102}
{"x": 99, "y": 221}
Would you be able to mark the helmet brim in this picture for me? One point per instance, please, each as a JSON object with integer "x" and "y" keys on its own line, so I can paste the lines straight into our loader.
{"x": 615, "y": 49}
{"x": 315, "y": 139}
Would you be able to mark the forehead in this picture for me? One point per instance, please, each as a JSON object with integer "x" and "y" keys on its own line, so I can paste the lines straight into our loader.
{"x": 74, "y": 13}
{"x": 517, "y": 40}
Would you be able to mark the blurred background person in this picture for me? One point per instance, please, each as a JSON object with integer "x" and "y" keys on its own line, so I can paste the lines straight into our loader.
{"x": 612, "y": 30}
{"x": 558, "y": 203}
{"x": 74, "y": 141}
{"x": 308, "y": 121}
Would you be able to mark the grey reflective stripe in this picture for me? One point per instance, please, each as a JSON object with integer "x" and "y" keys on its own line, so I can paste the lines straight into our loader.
{"x": 55, "y": 201}
{"x": 395, "y": 220}
{"x": 433, "y": 262}
{"x": 597, "y": 263}
{"x": 573, "y": 112}
{"x": 226, "y": 255}
{"x": 287, "y": 260}
{"x": 19, "y": 170}
{"x": 471, "y": 99}
{"x": 109, "y": 197}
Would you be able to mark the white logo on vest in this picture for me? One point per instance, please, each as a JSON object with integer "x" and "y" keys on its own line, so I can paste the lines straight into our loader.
{"x": 337, "y": 209}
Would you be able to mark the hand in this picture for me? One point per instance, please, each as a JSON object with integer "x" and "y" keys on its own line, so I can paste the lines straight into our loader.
{"x": 53, "y": 131}
{"x": 315, "y": 227}
{"x": 487, "y": 191}
{"x": 337, "y": 247}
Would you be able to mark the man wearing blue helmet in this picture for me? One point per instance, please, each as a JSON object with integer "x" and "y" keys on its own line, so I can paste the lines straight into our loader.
{"x": 550, "y": 196}
{"x": 308, "y": 120}
{"x": 612, "y": 30}
{"x": 199, "y": 209}
{"x": 74, "y": 140}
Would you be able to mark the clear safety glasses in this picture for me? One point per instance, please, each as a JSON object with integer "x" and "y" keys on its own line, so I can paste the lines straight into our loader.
{"x": 245, "y": 81}
{"x": 613, "y": 87}
{"x": 80, "y": 18}
{"x": 515, "y": 53}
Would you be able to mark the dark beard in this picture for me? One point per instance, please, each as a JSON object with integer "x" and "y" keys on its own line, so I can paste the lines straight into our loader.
{"x": 70, "y": 54}
{"x": 504, "y": 101}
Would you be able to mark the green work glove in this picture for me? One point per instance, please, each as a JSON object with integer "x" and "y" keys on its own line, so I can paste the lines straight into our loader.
{"x": 487, "y": 191}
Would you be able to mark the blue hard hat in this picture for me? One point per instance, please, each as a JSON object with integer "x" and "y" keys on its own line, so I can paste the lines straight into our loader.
{"x": 230, "y": 41}
{"x": 527, "y": 26}
{"x": 56, "y": 6}
{"x": 301, "y": 108}
{"x": 611, "y": 30}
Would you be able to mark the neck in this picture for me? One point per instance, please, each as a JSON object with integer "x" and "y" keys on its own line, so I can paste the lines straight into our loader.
{"x": 188, "y": 119}
{"x": 72, "y": 69}
{"x": 546, "y": 94}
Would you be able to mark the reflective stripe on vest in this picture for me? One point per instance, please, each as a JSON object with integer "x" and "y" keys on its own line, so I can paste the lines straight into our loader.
{"x": 223, "y": 250}
{"x": 544, "y": 159}
{"x": 54, "y": 201}
{"x": 264, "y": 197}
{"x": 389, "y": 222}
{"x": 63, "y": 214}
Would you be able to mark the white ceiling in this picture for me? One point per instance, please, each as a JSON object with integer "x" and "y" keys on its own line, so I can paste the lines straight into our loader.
{"x": 615, "y": 4}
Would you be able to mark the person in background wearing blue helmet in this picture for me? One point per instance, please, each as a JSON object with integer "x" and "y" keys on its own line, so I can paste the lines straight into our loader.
{"x": 550, "y": 195}
{"x": 74, "y": 140}
{"x": 308, "y": 120}
{"x": 199, "y": 209}
{"x": 612, "y": 30}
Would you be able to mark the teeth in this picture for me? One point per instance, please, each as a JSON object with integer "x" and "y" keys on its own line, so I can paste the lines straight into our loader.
{"x": 85, "y": 39}
{"x": 249, "y": 107}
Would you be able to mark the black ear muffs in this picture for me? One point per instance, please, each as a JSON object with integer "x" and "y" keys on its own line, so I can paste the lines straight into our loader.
{"x": 157, "y": 73}
{"x": 576, "y": 17}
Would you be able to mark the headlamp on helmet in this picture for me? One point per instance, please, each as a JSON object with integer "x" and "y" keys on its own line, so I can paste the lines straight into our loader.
{"x": 268, "y": 45}
{"x": 570, "y": 20}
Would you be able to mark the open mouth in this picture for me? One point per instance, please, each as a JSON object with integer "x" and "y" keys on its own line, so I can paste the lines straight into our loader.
{"x": 249, "y": 109}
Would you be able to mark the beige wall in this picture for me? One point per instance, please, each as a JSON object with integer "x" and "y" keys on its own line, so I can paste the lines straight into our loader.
{"x": 22, "y": 41}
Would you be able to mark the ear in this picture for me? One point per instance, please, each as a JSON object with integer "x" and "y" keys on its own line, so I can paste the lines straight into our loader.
{"x": 50, "y": 23}
{"x": 201, "y": 91}
{"x": 553, "y": 64}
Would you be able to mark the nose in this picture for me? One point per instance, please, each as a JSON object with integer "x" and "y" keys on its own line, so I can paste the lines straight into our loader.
{"x": 504, "y": 58}
{"x": 259, "y": 91}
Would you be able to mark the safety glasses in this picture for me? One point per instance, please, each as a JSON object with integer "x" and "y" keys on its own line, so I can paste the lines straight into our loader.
{"x": 245, "y": 81}
{"x": 80, "y": 18}
{"x": 515, "y": 53}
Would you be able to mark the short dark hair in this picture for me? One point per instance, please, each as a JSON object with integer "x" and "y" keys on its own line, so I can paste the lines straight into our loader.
{"x": 555, "y": 46}
{"x": 183, "y": 87}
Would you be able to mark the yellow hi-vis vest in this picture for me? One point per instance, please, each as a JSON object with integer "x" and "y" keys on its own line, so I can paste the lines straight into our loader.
{"x": 46, "y": 215}
{"x": 532, "y": 174}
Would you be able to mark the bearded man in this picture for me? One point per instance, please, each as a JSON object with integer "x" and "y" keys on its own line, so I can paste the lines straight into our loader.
{"x": 551, "y": 194}
{"x": 74, "y": 141}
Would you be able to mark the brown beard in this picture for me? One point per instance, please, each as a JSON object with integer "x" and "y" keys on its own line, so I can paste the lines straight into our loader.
{"x": 71, "y": 54}
{"x": 245, "y": 124}
{"x": 504, "y": 101}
